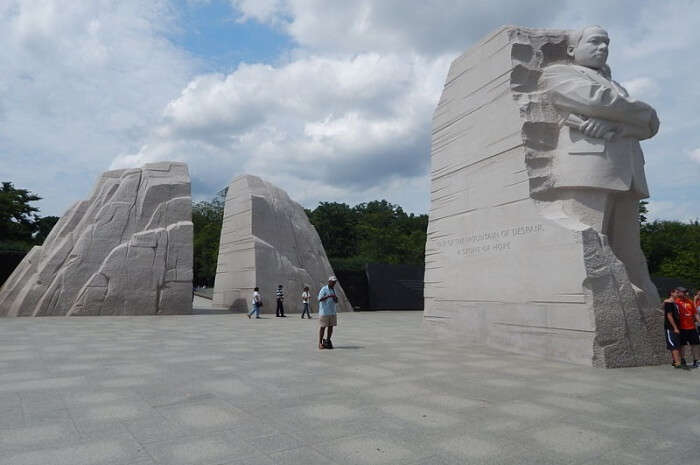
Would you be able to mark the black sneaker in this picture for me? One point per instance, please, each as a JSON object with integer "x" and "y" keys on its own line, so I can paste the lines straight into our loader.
{"x": 327, "y": 344}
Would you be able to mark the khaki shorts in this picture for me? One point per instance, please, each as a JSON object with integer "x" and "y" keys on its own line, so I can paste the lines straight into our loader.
{"x": 328, "y": 320}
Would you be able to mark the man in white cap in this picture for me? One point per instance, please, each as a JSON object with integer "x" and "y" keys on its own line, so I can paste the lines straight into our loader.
{"x": 326, "y": 313}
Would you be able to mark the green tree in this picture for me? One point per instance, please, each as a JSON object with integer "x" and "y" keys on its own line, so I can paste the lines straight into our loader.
{"x": 671, "y": 249}
{"x": 372, "y": 232}
{"x": 17, "y": 217}
{"x": 207, "y": 218}
{"x": 643, "y": 211}
{"x": 44, "y": 225}
{"x": 389, "y": 235}
{"x": 684, "y": 265}
{"x": 336, "y": 225}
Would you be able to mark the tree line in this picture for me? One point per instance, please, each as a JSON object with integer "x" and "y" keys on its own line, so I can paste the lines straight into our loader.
{"x": 371, "y": 232}
{"x": 21, "y": 227}
{"x": 672, "y": 249}
{"x": 207, "y": 218}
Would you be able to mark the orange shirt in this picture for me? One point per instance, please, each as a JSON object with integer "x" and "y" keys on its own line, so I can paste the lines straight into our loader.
{"x": 687, "y": 312}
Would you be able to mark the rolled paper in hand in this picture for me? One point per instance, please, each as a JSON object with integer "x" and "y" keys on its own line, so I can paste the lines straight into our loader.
{"x": 576, "y": 122}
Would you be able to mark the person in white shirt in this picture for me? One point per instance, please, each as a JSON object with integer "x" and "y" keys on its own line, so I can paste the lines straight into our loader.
{"x": 256, "y": 303}
{"x": 305, "y": 301}
{"x": 327, "y": 313}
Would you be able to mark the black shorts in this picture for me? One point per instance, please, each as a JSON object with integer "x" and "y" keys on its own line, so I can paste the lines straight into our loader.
{"x": 672, "y": 340}
{"x": 689, "y": 336}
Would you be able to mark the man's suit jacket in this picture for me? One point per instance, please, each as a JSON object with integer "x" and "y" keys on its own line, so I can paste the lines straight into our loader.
{"x": 586, "y": 162}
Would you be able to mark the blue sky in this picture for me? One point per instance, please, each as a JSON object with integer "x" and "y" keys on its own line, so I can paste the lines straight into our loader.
{"x": 210, "y": 32}
{"x": 330, "y": 100}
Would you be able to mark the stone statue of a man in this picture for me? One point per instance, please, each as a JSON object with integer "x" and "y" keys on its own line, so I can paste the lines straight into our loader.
{"x": 598, "y": 171}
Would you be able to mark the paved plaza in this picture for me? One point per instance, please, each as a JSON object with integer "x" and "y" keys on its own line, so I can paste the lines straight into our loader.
{"x": 222, "y": 389}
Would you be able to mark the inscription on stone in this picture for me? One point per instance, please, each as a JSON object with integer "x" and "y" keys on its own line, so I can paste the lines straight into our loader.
{"x": 489, "y": 242}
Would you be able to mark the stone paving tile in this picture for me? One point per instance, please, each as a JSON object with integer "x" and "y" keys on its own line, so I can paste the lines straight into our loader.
{"x": 302, "y": 455}
{"x": 44, "y": 383}
{"x": 228, "y": 387}
{"x": 11, "y": 416}
{"x": 470, "y": 449}
{"x": 211, "y": 449}
{"x": 205, "y": 416}
{"x": 276, "y": 443}
{"x": 114, "y": 452}
{"x": 574, "y": 441}
{"x": 50, "y": 434}
{"x": 425, "y": 418}
{"x": 368, "y": 450}
{"x": 38, "y": 417}
{"x": 155, "y": 428}
{"x": 221, "y": 389}
{"x": 6, "y": 376}
{"x": 258, "y": 459}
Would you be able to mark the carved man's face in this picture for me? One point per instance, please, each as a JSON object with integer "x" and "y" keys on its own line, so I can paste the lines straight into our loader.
{"x": 592, "y": 49}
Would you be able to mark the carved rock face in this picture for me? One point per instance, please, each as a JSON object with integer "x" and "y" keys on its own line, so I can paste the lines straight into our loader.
{"x": 267, "y": 240}
{"x": 127, "y": 250}
{"x": 507, "y": 263}
{"x": 592, "y": 50}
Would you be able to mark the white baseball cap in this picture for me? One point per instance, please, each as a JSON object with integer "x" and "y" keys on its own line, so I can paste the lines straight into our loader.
{"x": 332, "y": 278}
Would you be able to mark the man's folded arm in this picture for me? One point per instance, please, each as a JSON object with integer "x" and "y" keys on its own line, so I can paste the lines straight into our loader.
{"x": 580, "y": 96}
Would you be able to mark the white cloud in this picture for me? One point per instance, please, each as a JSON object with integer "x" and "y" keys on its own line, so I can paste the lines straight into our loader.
{"x": 321, "y": 127}
{"x": 642, "y": 87}
{"x": 431, "y": 28}
{"x": 695, "y": 155}
{"x": 673, "y": 210}
{"x": 350, "y": 114}
{"x": 345, "y": 115}
{"x": 80, "y": 82}
{"x": 264, "y": 11}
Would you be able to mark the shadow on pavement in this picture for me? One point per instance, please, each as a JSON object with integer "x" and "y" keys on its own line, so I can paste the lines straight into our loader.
{"x": 210, "y": 311}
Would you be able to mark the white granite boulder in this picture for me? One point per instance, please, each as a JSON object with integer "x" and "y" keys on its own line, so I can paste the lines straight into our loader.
{"x": 267, "y": 240}
{"x": 127, "y": 250}
{"x": 533, "y": 237}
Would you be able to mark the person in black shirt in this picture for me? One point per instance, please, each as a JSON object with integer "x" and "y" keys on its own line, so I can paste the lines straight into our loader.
{"x": 671, "y": 327}
{"x": 280, "y": 300}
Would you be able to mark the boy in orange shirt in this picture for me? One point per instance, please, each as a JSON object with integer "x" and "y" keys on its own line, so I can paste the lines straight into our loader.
{"x": 688, "y": 316}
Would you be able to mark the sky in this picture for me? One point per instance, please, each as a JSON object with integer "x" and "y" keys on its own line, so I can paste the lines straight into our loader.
{"x": 328, "y": 99}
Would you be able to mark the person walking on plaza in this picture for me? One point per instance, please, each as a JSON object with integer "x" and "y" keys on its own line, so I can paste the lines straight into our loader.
{"x": 688, "y": 317}
{"x": 256, "y": 303}
{"x": 280, "y": 302}
{"x": 326, "y": 313}
{"x": 305, "y": 302}
{"x": 696, "y": 302}
{"x": 671, "y": 329}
